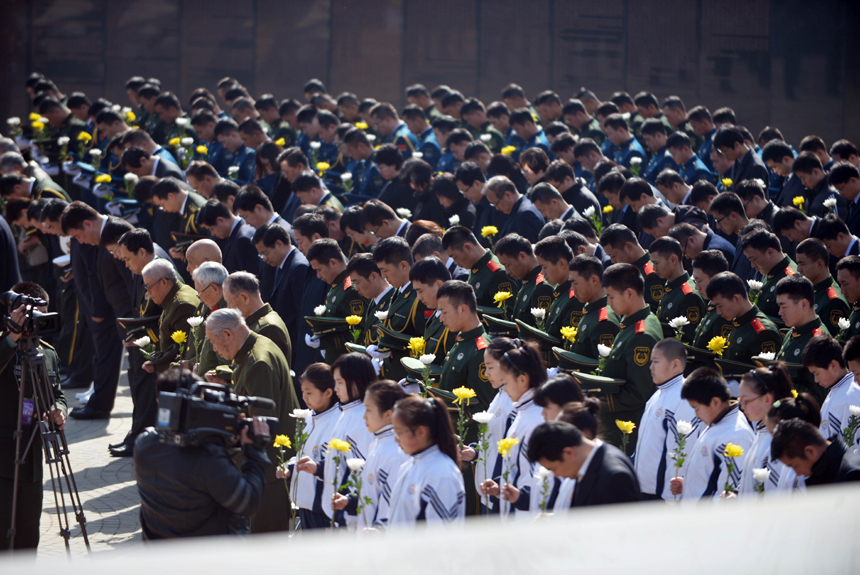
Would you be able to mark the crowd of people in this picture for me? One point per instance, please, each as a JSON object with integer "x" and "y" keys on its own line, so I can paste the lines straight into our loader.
{"x": 457, "y": 308}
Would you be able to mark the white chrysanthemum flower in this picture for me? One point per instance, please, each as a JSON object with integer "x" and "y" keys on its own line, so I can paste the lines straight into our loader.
{"x": 830, "y": 203}
{"x": 542, "y": 473}
{"x": 854, "y": 410}
{"x": 486, "y": 137}
{"x": 454, "y": 220}
{"x": 315, "y": 145}
{"x": 14, "y": 121}
{"x": 427, "y": 359}
{"x": 684, "y": 428}
{"x": 195, "y": 321}
{"x": 131, "y": 178}
{"x": 381, "y": 315}
{"x": 482, "y": 417}
{"x": 417, "y": 155}
{"x": 319, "y": 310}
{"x": 371, "y": 138}
{"x": 603, "y": 350}
{"x": 755, "y": 284}
{"x": 539, "y": 313}
{"x": 116, "y": 108}
{"x": 187, "y": 141}
{"x": 844, "y": 323}
{"x": 143, "y": 341}
{"x": 182, "y": 122}
{"x": 589, "y": 211}
{"x": 44, "y": 120}
{"x": 302, "y": 414}
{"x": 125, "y": 111}
{"x": 354, "y": 463}
{"x": 96, "y": 153}
{"x": 404, "y": 213}
{"x": 626, "y": 115}
{"x": 346, "y": 177}
{"x": 233, "y": 171}
{"x": 761, "y": 475}
{"x": 635, "y": 161}
{"x": 760, "y": 182}
{"x": 679, "y": 321}
{"x": 64, "y": 141}
{"x": 768, "y": 355}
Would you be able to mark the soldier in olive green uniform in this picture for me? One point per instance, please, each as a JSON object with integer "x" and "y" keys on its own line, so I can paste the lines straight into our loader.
{"x": 654, "y": 288}
{"x": 488, "y": 278}
{"x": 620, "y": 243}
{"x": 792, "y": 352}
{"x": 767, "y": 299}
{"x": 590, "y": 130}
{"x": 369, "y": 321}
{"x": 848, "y": 277}
{"x": 180, "y": 304}
{"x": 535, "y": 292}
{"x": 267, "y": 322}
{"x": 753, "y": 333}
{"x": 680, "y": 299}
{"x": 30, "y": 478}
{"x": 630, "y": 358}
{"x": 406, "y": 316}
{"x": 281, "y": 129}
{"x": 830, "y": 305}
{"x": 188, "y": 220}
{"x": 565, "y": 311}
{"x": 437, "y": 339}
{"x": 208, "y": 358}
{"x": 598, "y": 326}
{"x": 489, "y": 135}
{"x": 713, "y": 325}
{"x": 342, "y": 300}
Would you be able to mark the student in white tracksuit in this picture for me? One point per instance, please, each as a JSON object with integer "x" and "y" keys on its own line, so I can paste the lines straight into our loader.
{"x": 429, "y": 487}
{"x": 522, "y": 371}
{"x": 384, "y": 459}
{"x": 758, "y": 390}
{"x": 306, "y": 489}
{"x": 802, "y": 407}
{"x": 353, "y": 374}
{"x": 824, "y": 357}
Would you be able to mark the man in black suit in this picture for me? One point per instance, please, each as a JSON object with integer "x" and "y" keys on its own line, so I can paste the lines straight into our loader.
{"x": 309, "y": 228}
{"x": 9, "y": 272}
{"x": 104, "y": 291}
{"x": 429, "y": 245}
{"x": 779, "y": 157}
{"x": 561, "y": 176}
{"x": 382, "y": 221}
{"x": 603, "y": 474}
{"x": 523, "y": 217}
{"x": 233, "y": 235}
{"x": 845, "y": 177}
{"x": 816, "y": 180}
{"x": 729, "y": 142}
{"x": 140, "y": 162}
{"x": 284, "y": 271}
{"x": 800, "y": 446}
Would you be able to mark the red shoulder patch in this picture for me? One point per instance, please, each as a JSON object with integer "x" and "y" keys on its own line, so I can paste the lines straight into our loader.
{"x": 347, "y": 282}
{"x": 831, "y": 293}
{"x": 757, "y": 325}
{"x": 539, "y": 279}
{"x": 480, "y": 342}
{"x": 640, "y": 326}
{"x": 686, "y": 289}
{"x": 428, "y": 313}
{"x": 604, "y": 314}
{"x": 789, "y": 271}
{"x": 648, "y": 269}
{"x": 494, "y": 267}
{"x": 571, "y": 294}
{"x": 817, "y": 331}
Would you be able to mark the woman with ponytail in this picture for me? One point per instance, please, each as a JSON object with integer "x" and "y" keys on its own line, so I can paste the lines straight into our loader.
{"x": 429, "y": 486}
{"x": 521, "y": 371}
{"x": 758, "y": 390}
{"x": 802, "y": 407}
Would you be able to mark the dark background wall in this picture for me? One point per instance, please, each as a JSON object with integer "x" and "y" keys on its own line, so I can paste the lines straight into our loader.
{"x": 789, "y": 63}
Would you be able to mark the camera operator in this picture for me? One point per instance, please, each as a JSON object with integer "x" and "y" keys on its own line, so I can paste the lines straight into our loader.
{"x": 30, "y": 474}
{"x": 196, "y": 491}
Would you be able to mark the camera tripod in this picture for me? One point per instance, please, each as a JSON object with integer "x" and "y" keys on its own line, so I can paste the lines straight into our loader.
{"x": 34, "y": 378}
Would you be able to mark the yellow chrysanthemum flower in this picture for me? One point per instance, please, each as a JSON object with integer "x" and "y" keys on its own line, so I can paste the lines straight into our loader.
{"x": 794, "y": 393}
{"x": 416, "y": 346}
{"x": 733, "y": 450}
{"x": 509, "y": 150}
{"x": 280, "y": 141}
{"x": 569, "y": 333}
{"x": 34, "y": 116}
{"x": 361, "y": 125}
{"x": 607, "y": 209}
{"x": 179, "y": 336}
{"x": 37, "y": 125}
{"x": 283, "y": 441}
{"x": 130, "y": 116}
{"x": 463, "y": 393}
{"x": 202, "y": 149}
{"x": 174, "y": 141}
{"x": 718, "y": 345}
{"x": 323, "y": 166}
{"x": 727, "y": 182}
{"x": 798, "y": 201}
{"x": 489, "y": 231}
{"x": 338, "y": 445}
{"x": 625, "y": 426}
{"x": 353, "y": 319}
{"x": 501, "y": 297}
{"x": 84, "y": 137}
{"x": 103, "y": 179}
{"x": 505, "y": 445}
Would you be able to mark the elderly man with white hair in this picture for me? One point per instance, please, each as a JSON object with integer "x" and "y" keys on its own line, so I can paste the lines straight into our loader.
{"x": 260, "y": 369}
{"x": 208, "y": 278}
{"x": 178, "y": 303}
{"x": 242, "y": 292}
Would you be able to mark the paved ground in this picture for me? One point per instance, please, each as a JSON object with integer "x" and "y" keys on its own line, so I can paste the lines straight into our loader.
{"x": 106, "y": 485}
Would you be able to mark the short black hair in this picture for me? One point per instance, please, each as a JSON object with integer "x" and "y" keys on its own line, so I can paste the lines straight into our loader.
{"x": 622, "y": 277}
{"x": 728, "y": 136}
{"x": 727, "y": 285}
{"x": 852, "y": 349}
{"x": 711, "y": 262}
{"x": 796, "y": 287}
{"x": 587, "y": 266}
{"x": 785, "y": 218}
{"x": 560, "y": 389}
{"x": 775, "y": 151}
{"x": 553, "y": 249}
{"x": 389, "y": 155}
{"x": 456, "y": 236}
{"x": 650, "y": 213}
{"x": 392, "y": 251}
{"x": 459, "y": 293}
{"x": 617, "y": 236}
{"x": 821, "y": 350}
{"x": 469, "y": 173}
{"x": 211, "y": 211}
{"x": 324, "y": 250}
{"x": 728, "y": 203}
{"x": 805, "y": 163}
{"x": 270, "y": 233}
{"x": 363, "y": 265}
{"x": 761, "y": 241}
{"x": 814, "y": 249}
{"x": 668, "y": 178}
{"x": 114, "y": 230}
{"x": 429, "y": 270}
{"x": 306, "y": 182}
{"x": 309, "y": 224}
{"x": 634, "y": 188}
{"x": 701, "y": 191}
{"x": 76, "y": 214}
{"x": 512, "y": 245}
{"x": 667, "y": 247}
{"x": 672, "y": 349}
{"x": 791, "y": 437}
{"x": 549, "y": 439}
{"x": 749, "y": 189}
{"x": 703, "y": 385}
{"x": 374, "y": 212}
{"x": 842, "y": 172}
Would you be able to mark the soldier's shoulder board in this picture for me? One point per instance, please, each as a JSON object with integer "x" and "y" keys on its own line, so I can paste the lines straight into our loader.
{"x": 817, "y": 331}
{"x": 540, "y": 279}
{"x": 831, "y": 293}
{"x": 640, "y": 326}
{"x": 480, "y": 342}
{"x": 428, "y": 313}
{"x": 757, "y": 325}
{"x": 789, "y": 271}
{"x": 603, "y": 315}
{"x": 571, "y": 294}
{"x": 494, "y": 267}
{"x": 686, "y": 289}
{"x": 648, "y": 269}
{"x": 347, "y": 282}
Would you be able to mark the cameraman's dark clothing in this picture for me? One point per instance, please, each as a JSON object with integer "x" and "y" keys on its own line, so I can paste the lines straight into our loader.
{"x": 195, "y": 491}
{"x": 30, "y": 478}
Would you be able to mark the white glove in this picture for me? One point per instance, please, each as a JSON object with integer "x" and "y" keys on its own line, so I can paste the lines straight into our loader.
{"x": 551, "y": 372}
{"x": 372, "y": 352}
{"x": 100, "y": 191}
{"x": 114, "y": 209}
{"x": 51, "y": 170}
{"x": 410, "y": 387}
{"x": 377, "y": 365}
{"x": 23, "y": 143}
{"x": 71, "y": 168}
{"x": 311, "y": 342}
{"x": 83, "y": 181}
{"x": 322, "y": 353}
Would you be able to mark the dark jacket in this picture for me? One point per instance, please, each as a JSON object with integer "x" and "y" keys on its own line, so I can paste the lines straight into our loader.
{"x": 715, "y": 242}
{"x": 837, "y": 465}
{"x": 314, "y": 293}
{"x": 610, "y": 478}
{"x": 749, "y": 167}
{"x": 115, "y": 280}
{"x": 286, "y": 289}
{"x": 91, "y": 297}
{"x": 238, "y": 251}
{"x": 525, "y": 220}
{"x": 9, "y": 272}
{"x": 167, "y": 168}
{"x": 195, "y": 491}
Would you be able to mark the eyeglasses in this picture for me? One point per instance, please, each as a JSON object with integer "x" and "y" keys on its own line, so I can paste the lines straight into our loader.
{"x": 398, "y": 431}
{"x": 150, "y": 286}
{"x": 744, "y": 402}
{"x": 721, "y": 219}
{"x": 265, "y": 254}
{"x": 203, "y": 291}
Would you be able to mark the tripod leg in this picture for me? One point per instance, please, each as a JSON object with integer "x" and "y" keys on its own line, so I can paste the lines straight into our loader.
{"x": 19, "y": 432}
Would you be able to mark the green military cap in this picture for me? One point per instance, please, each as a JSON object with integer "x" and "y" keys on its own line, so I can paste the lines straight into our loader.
{"x": 530, "y": 332}
{"x": 570, "y": 362}
{"x": 321, "y": 325}
{"x": 354, "y": 347}
{"x": 415, "y": 369}
{"x": 668, "y": 330}
{"x": 135, "y": 327}
{"x": 733, "y": 368}
{"x": 698, "y": 354}
{"x": 492, "y": 311}
{"x": 390, "y": 339}
{"x": 595, "y": 384}
{"x": 500, "y": 328}
{"x": 185, "y": 240}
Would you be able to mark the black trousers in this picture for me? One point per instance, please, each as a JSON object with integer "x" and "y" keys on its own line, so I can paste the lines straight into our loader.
{"x": 29, "y": 513}
{"x": 74, "y": 343}
{"x": 107, "y": 362}
{"x": 142, "y": 386}
{"x": 313, "y": 520}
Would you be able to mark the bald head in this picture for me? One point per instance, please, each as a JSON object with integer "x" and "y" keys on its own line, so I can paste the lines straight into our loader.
{"x": 200, "y": 252}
